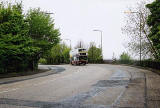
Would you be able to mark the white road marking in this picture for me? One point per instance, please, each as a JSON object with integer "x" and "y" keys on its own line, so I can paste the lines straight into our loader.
{"x": 6, "y": 91}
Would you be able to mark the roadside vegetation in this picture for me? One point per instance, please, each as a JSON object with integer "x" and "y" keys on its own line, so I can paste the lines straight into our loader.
{"x": 58, "y": 54}
{"x": 24, "y": 39}
{"x": 94, "y": 54}
{"x": 125, "y": 58}
{"x": 145, "y": 20}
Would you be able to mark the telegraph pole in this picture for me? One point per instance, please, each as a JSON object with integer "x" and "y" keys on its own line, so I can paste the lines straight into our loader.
{"x": 140, "y": 37}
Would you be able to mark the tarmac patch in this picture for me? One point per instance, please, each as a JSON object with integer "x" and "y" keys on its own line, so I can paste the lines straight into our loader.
{"x": 111, "y": 83}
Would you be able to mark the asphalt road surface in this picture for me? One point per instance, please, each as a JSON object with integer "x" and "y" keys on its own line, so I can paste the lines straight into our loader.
{"x": 90, "y": 86}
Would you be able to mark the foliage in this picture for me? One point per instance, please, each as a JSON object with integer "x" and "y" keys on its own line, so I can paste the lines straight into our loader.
{"x": 125, "y": 58}
{"x": 132, "y": 30}
{"x": 24, "y": 38}
{"x": 42, "y": 61}
{"x": 94, "y": 54}
{"x": 150, "y": 63}
{"x": 65, "y": 53}
{"x": 58, "y": 54}
{"x": 42, "y": 30}
{"x": 16, "y": 50}
{"x": 154, "y": 22}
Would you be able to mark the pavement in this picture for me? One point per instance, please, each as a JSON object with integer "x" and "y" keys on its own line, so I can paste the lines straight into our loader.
{"x": 90, "y": 86}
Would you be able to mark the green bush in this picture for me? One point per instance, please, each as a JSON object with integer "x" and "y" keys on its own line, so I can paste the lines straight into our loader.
{"x": 58, "y": 54}
{"x": 42, "y": 61}
{"x": 94, "y": 54}
{"x": 154, "y": 64}
{"x": 150, "y": 63}
{"x": 125, "y": 58}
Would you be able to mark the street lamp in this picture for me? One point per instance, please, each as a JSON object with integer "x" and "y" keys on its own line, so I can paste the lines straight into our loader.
{"x": 140, "y": 35}
{"x": 101, "y": 36}
{"x": 48, "y": 13}
{"x": 70, "y": 42}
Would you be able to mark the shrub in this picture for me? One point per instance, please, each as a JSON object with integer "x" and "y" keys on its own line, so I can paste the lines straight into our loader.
{"x": 125, "y": 58}
{"x": 42, "y": 61}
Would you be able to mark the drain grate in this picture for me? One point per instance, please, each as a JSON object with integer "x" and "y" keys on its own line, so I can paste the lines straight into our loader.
{"x": 111, "y": 83}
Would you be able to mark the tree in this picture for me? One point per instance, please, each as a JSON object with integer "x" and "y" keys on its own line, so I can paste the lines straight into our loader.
{"x": 65, "y": 53}
{"x": 154, "y": 22}
{"x": 94, "y": 53}
{"x": 125, "y": 58}
{"x": 16, "y": 50}
{"x": 42, "y": 30}
{"x": 132, "y": 30}
{"x": 58, "y": 54}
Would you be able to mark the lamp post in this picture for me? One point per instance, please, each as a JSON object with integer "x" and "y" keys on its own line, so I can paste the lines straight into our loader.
{"x": 48, "y": 13}
{"x": 140, "y": 30}
{"x": 101, "y": 37}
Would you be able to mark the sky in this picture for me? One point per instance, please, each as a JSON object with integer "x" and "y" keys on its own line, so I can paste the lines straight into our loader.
{"x": 77, "y": 19}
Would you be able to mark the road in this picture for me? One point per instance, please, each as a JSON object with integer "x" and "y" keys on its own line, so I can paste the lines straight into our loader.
{"x": 90, "y": 86}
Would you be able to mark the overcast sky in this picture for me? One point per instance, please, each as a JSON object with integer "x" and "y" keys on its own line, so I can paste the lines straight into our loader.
{"x": 76, "y": 20}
